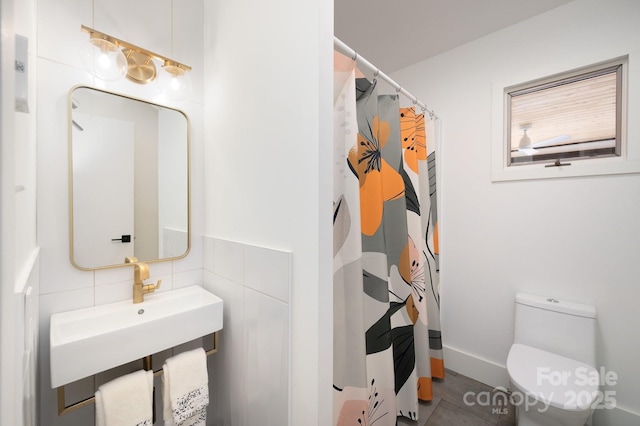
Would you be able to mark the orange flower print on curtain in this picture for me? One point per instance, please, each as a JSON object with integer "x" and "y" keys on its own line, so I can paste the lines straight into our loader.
{"x": 383, "y": 316}
{"x": 414, "y": 142}
{"x": 411, "y": 268}
{"x": 365, "y": 159}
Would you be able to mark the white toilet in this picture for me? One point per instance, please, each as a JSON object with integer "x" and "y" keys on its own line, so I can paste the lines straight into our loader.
{"x": 551, "y": 362}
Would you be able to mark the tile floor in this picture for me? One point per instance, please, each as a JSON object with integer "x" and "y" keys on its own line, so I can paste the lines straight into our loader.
{"x": 448, "y": 407}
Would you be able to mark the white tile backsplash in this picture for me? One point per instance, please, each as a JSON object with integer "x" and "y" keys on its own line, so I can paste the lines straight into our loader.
{"x": 137, "y": 22}
{"x": 114, "y": 275}
{"x": 57, "y": 273}
{"x": 59, "y": 35}
{"x": 232, "y": 295}
{"x": 116, "y": 284}
{"x": 193, "y": 260}
{"x": 228, "y": 260}
{"x": 157, "y": 269}
{"x": 117, "y": 292}
{"x": 114, "y": 292}
{"x": 267, "y": 271}
{"x": 267, "y": 365}
{"x": 250, "y": 372}
{"x": 226, "y": 367}
{"x": 208, "y": 254}
{"x": 167, "y": 284}
{"x": 188, "y": 24}
{"x": 187, "y": 278}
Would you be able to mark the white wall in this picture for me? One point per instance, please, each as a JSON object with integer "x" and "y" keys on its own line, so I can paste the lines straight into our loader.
{"x": 18, "y": 250}
{"x": 63, "y": 287}
{"x": 571, "y": 238}
{"x": 268, "y": 100}
{"x": 250, "y": 373}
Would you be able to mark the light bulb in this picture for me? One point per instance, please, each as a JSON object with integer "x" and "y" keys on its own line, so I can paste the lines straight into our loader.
{"x": 103, "y": 59}
{"x": 174, "y": 81}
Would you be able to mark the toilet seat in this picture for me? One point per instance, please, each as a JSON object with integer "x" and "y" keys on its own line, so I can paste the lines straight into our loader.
{"x": 553, "y": 379}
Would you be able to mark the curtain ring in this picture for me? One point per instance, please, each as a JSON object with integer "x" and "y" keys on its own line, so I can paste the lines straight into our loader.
{"x": 376, "y": 72}
{"x": 398, "y": 89}
{"x": 423, "y": 108}
{"x": 355, "y": 56}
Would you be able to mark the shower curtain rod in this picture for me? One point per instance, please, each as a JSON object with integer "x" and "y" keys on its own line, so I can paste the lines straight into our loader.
{"x": 343, "y": 48}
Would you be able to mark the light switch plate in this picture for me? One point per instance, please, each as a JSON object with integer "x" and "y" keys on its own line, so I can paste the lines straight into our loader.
{"x": 22, "y": 74}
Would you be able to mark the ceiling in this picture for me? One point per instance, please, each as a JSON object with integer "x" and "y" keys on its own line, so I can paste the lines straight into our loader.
{"x": 379, "y": 29}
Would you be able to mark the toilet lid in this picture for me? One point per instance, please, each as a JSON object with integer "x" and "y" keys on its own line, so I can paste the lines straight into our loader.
{"x": 552, "y": 379}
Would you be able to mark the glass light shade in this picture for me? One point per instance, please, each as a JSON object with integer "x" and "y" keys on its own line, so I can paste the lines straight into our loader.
{"x": 104, "y": 59}
{"x": 174, "y": 82}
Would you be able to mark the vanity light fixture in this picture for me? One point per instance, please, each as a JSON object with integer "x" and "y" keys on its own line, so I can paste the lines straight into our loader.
{"x": 103, "y": 57}
{"x": 175, "y": 82}
{"x": 110, "y": 58}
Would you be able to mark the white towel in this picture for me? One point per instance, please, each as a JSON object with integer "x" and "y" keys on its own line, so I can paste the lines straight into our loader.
{"x": 127, "y": 400}
{"x": 185, "y": 389}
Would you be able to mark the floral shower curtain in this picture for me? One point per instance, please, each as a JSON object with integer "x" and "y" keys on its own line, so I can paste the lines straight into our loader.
{"x": 387, "y": 343}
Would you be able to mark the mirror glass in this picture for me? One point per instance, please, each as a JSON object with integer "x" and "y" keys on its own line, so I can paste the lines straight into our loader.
{"x": 129, "y": 179}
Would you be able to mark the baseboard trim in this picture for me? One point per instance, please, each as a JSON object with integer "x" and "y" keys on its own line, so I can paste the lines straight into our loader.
{"x": 618, "y": 416}
{"x": 493, "y": 374}
{"x": 480, "y": 369}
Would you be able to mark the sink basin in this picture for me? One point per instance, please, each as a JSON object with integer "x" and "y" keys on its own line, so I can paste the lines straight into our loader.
{"x": 87, "y": 341}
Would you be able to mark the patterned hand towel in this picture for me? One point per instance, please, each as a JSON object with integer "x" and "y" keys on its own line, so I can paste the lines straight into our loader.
{"x": 185, "y": 389}
{"x": 127, "y": 400}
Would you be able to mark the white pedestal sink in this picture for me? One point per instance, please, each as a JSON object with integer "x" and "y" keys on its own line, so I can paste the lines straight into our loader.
{"x": 87, "y": 341}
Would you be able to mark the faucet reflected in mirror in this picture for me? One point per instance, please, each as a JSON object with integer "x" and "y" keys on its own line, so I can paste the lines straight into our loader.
{"x": 141, "y": 273}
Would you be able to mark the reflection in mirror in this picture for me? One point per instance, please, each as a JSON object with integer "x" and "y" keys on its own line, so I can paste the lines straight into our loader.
{"x": 129, "y": 180}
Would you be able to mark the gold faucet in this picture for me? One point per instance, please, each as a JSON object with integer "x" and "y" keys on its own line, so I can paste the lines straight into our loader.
{"x": 141, "y": 273}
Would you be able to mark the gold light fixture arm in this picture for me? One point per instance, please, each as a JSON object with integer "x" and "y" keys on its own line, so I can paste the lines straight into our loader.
{"x": 121, "y": 43}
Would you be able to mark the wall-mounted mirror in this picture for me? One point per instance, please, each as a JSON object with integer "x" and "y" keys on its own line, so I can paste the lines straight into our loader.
{"x": 129, "y": 180}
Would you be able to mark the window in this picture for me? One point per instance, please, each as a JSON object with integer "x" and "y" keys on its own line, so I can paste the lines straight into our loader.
{"x": 573, "y": 116}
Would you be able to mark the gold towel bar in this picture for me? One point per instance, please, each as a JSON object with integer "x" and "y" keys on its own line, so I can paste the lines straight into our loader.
{"x": 146, "y": 362}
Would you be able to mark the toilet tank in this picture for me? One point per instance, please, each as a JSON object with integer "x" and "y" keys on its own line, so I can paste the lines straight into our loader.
{"x": 557, "y": 326}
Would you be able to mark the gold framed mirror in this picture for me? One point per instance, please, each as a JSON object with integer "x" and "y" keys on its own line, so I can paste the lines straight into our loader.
{"x": 129, "y": 180}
